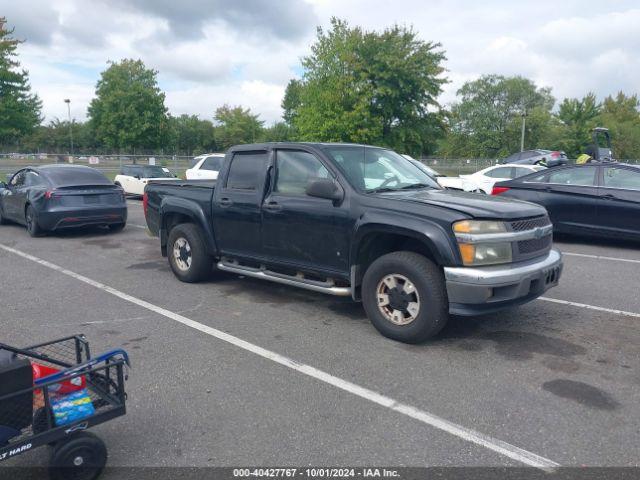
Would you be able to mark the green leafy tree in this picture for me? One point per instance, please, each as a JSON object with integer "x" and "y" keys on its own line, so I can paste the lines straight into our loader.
{"x": 128, "y": 111}
{"x": 19, "y": 108}
{"x": 487, "y": 119}
{"x": 577, "y": 118}
{"x": 278, "y": 132}
{"x": 191, "y": 135}
{"x": 370, "y": 87}
{"x": 236, "y": 125}
{"x": 621, "y": 115}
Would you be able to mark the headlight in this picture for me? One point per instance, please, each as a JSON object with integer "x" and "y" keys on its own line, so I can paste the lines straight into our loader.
{"x": 485, "y": 253}
{"x": 475, "y": 242}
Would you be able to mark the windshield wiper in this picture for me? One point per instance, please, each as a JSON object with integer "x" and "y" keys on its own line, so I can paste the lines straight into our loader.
{"x": 415, "y": 185}
{"x": 381, "y": 190}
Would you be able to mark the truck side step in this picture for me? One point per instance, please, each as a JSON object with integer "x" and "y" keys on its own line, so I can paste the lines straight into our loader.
{"x": 263, "y": 273}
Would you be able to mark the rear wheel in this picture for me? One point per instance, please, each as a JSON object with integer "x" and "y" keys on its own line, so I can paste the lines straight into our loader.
{"x": 82, "y": 457}
{"x": 32, "y": 222}
{"x": 187, "y": 252}
{"x": 404, "y": 296}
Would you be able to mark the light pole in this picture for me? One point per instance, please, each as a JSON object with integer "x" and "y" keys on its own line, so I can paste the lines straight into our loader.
{"x": 68, "y": 102}
{"x": 524, "y": 121}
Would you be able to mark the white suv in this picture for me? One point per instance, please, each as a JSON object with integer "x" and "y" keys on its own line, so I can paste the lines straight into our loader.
{"x": 133, "y": 178}
{"x": 206, "y": 167}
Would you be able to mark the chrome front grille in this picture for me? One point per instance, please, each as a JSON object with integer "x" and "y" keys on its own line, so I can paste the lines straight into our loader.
{"x": 532, "y": 247}
{"x": 526, "y": 247}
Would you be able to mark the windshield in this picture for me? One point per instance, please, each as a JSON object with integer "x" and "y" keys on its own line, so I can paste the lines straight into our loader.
{"x": 373, "y": 169}
{"x": 156, "y": 172}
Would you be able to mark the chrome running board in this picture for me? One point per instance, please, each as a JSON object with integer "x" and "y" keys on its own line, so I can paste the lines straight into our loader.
{"x": 299, "y": 280}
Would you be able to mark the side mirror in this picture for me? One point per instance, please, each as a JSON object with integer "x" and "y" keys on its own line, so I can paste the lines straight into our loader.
{"x": 324, "y": 188}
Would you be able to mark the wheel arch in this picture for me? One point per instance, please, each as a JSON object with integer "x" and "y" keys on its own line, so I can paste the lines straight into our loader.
{"x": 175, "y": 211}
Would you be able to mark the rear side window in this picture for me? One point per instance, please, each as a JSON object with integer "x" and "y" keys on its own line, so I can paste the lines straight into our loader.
{"x": 500, "y": 172}
{"x": 32, "y": 179}
{"x": 621, "y": 178}
{"x": 212, "y": 163}
{"x": 521, "y": 172}
{"x": 584, "y": 176}
{"x": 247, "y": 170}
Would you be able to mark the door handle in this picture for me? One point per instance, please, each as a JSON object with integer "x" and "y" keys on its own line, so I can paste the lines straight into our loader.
{"x": 609, "y": 196}
{"x": 273, "y": 206}
{"x": 225, "y": 202}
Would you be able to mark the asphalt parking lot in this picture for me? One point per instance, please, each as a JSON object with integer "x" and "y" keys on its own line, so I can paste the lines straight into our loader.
{"x": 557, "y": 378}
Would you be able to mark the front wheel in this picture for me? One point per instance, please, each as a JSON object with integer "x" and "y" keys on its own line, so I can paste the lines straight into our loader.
{"x": 405, "y": 297}
{"x": 32, "y": 222}
{"x": 82, "y": 457}
{"x": 187, "y": 252}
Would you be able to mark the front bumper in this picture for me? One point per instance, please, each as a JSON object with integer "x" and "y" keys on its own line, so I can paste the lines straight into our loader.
{"x": 473, "y": 291}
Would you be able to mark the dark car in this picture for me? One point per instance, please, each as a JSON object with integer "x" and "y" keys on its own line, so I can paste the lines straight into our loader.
{"x": 53, "y": 197}
{"x": 548, "y": 158}
{"x": 597, "y": 198}
{"x": 359, "y": 221}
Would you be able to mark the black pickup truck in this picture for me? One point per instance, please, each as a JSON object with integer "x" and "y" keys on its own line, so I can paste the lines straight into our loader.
{"x": 359, "y": 221}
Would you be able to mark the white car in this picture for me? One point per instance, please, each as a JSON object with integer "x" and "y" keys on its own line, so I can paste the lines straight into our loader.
{"x": 133, "y": 178}
{"x": 206, "y": 167}
{"x": 483, "y": 180}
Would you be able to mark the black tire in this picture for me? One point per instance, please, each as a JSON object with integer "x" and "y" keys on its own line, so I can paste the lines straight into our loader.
{"x": 81, "y": 457}
{"x": 192, "y": 263}
{"x": 117, "y": 227}
{"x": 428, "y": 291}
{"x": 3, "y": 220}
{"x": 32, "y": 222}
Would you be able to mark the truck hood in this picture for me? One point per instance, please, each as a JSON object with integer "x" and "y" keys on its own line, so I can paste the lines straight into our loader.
{"x": 474, "y": 204}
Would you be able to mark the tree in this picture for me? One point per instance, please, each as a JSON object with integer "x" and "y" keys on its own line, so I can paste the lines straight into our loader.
{"x": 190, "y": 135}
{"x": 19, "y": 108}
{"x": 621, "y": 115}
{"x": 370, "y": 87}
{"x": 486, "y": 121}
{"x": 129, "y": 111}
{"x": 577, "y": 117}
{"x": 236, "y": 125}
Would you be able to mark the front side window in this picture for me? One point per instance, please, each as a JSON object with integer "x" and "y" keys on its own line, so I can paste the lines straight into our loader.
{"x": 500, "y": 172}
{"x": 247, "y": 170}
{"x": 621, "y": 178}
{"x": 521, "y": 172}
{"x": 584, "y": 176}
{"x": 294, "y": 171}
{"x": 375, "y": 169}
{"x": 156, "y": 172}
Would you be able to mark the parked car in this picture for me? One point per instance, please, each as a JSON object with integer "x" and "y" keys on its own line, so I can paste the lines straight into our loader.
{"x": 206, "y": 167}
{"x": 53, "y": 197}
{"x": 133, "y": 178}
{"x": 597, "y": 198}
{"x": 548, "y": 158}
{"x": 483, "y": 180}
{"x": 425, "y": 168}
{"x": 359, "y": 221}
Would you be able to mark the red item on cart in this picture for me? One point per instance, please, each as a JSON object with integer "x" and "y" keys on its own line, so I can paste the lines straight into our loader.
{"x": 67, "y": 386}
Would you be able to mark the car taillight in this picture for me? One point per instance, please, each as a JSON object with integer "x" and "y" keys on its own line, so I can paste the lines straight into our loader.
{"x": 145, "y": 203}
{"x": 498, "y": 190}
{"x": 555, "y": 154}
{"x": 48, "y": 194}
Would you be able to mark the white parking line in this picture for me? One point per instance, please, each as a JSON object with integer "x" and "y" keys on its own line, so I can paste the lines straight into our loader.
{"x": 590, "y": 307}
{"x": 137, "y": 226}
{"x": 600, "y": 257}
{"x": 464, "y": 433}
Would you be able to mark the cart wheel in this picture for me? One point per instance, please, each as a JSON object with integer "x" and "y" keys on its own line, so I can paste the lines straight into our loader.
{"x": 81, "y": 457}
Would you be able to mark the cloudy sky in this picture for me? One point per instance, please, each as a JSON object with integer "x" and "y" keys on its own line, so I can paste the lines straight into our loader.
{"x": 243, "y": 52}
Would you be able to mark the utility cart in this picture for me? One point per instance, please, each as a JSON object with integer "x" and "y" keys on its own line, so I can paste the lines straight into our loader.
{"x": 51, "y": 394}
